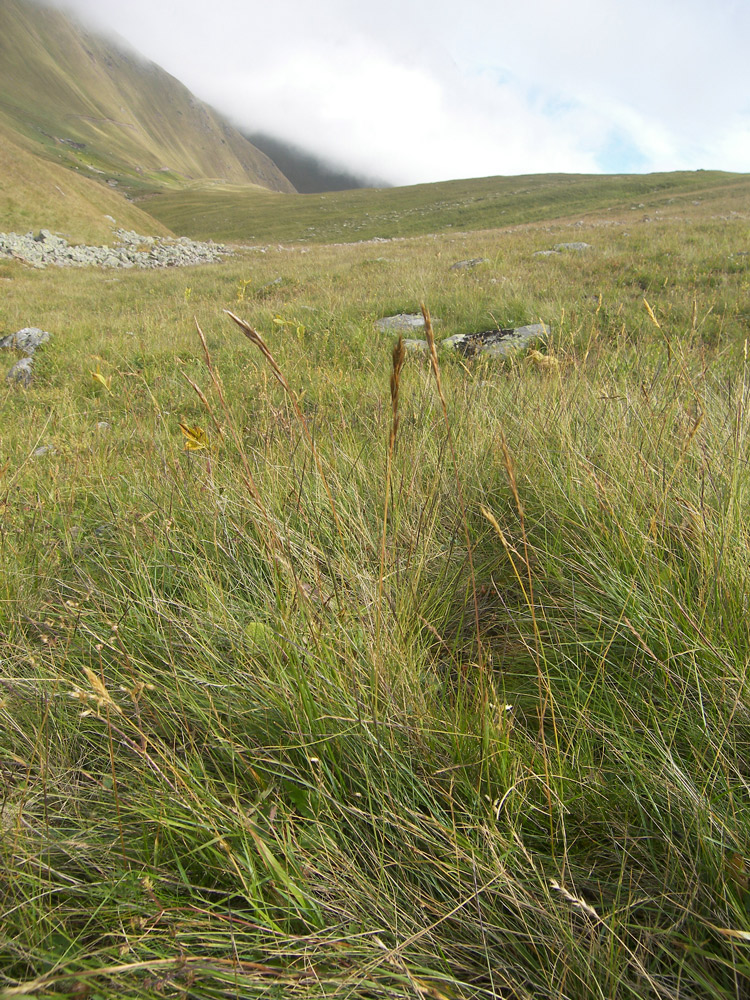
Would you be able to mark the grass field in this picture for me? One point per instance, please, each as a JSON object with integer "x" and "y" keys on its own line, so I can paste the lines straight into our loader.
{"x": 364, "y": 683}
{"x": 247, "y": 214}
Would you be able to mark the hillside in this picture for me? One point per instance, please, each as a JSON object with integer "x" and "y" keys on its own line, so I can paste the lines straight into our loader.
{"x": 36, "y": 193}
{"x": 230, "y": 212}
{"x": 307, "y": 172}
{"x": 89, "y": 104}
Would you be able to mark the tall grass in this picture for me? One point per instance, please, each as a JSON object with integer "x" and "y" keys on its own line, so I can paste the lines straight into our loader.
{"x": 437, "y": 695}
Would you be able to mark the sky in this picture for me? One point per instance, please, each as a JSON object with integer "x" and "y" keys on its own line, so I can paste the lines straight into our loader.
{"x": 412, "y": 91}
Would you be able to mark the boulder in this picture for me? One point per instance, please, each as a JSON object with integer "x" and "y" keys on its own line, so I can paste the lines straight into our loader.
{"x": 572, "y": 246}
{"x": 497, "y": 343}
{"x": 403, "y": 322}
{"x": 463, "y": 265}
{"x": 26, "y": 340}
{"x": 20, "y": 373}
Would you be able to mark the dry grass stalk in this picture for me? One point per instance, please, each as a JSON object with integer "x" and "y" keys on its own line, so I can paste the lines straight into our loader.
{"x": 430, "y": 334}
{"x": 247, "y": 474}
{"x": 545, "y": 691}
{"x": 255, "y": 338}
{"x": 399, "y": 356}
{"x": 397, "y": 363}
{"x": 201, "y": 395}
{"x": 658, "y": 326}
{"x": 681, "y": 458}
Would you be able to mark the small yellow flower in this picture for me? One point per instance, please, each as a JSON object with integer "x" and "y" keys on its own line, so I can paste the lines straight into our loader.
{"x": 195, "y": 437}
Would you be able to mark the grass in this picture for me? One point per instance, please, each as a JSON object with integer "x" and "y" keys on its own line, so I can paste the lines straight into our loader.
{"x": 38, "y": 194}
{"x": 432, "y": 692}
{"x": 246, "y": 214}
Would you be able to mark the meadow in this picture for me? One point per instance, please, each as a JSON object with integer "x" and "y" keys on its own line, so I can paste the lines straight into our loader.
{"x": 244, "y": 213}
{"x": 329, "y": 672}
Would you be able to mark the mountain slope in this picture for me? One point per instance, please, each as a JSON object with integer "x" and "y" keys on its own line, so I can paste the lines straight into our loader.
{"x": 36, "y": 193}
{"x": 85, "y": 102}
{"x": 309, "y": 173}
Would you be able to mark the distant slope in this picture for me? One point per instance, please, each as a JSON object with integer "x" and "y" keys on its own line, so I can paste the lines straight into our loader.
{"x": 307, "y": 172}
{"x": 233, "y": 213}
{"x": 38, "y": 194}
{"x": 85, "y": 102}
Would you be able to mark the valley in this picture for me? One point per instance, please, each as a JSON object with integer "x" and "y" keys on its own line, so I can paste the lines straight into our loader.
{"x": 331, "y": 668}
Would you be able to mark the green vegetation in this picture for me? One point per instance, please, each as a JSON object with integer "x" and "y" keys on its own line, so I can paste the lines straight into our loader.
{"x": 246, "y": 214}
{"x": 287, "y": 712}
{"x": 38, "y": 194}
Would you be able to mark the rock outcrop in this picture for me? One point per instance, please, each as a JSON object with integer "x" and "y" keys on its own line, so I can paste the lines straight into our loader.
{"x": 491, "y": 343}
{"x": 496, "y": 343}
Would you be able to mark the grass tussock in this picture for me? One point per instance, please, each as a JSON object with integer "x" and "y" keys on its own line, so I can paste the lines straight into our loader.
{"x": 334, "y": 694}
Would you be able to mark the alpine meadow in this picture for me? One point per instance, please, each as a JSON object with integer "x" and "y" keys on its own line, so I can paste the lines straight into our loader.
{"x": 335, "y": 667}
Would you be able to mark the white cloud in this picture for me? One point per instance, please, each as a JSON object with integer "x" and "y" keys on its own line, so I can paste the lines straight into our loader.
{"x": 412, "y": 90}
{"x": 400, "y": 121}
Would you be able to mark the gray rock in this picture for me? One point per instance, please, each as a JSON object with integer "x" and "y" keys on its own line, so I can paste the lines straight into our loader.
{"x": 496, "y": 343}
{"x": 573, "y": 246}
{"x": 26, "y": 340}
{"x": 463, "y": 265}
{"x": 416, "y": 346}
{"x": 20, "y": 373}
{"x": 546, "y": 253}
{"x": 103, "y": 426}
{"x": 403, "y": 322}
{"x": 132, "y": 250}
{"x": 45, "y": 449}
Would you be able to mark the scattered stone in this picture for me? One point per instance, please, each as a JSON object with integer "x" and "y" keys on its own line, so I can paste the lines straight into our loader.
{"x": 131, "y": 250}
{"x": 45, "y": 449}
{"x": 572, "y": 246}
{"x": 403, "y": 322}
{"x": 20, "y": 373}
{"x": 546, "y": 253}
{"x": 26, "y": 340}
{"x": 463, "y": 265}
{"x": 496, "y": 343}
{"x": 103, "y": 426}
{"x": 416, "y": 346}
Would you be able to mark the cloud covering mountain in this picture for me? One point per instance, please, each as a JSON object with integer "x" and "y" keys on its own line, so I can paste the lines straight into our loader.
{"x": 417, "y": 90}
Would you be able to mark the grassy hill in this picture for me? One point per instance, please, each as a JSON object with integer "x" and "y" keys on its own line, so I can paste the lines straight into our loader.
{"x": 245, "y": 215}
{"x": 92, "y": 106}
{"x": 37, "y": 193}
